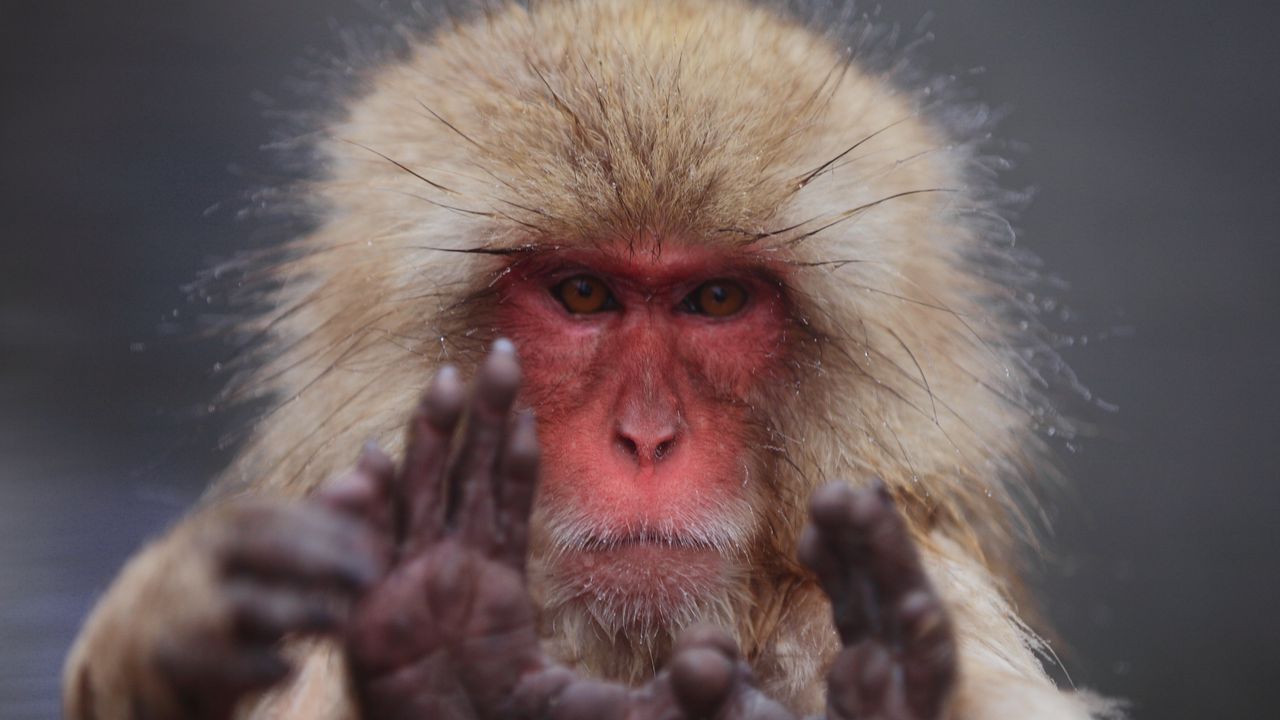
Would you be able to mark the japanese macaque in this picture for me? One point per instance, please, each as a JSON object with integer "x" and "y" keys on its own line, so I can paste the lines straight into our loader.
{"x": 748, "y": 358}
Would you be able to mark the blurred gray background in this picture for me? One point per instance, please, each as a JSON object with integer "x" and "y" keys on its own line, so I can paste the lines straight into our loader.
{"x": 131, "y": 131}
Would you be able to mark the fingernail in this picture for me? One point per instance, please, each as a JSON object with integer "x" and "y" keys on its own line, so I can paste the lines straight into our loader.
{"x": 445, "y": 386}
{"x": 372, "y": 459}
{"x": 500, "y": 377}
{"x": 446, "y": 374}
{"x": 442, "y": 403}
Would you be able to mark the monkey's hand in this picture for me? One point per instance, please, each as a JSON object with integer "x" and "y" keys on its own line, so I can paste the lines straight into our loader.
{"x": 899, "y": 656}
{"x": 450, "y": 632}
{"x": 192, "y": 624}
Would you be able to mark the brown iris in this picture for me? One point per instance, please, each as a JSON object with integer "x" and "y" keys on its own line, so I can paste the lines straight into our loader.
{"x": 717, "y": 298}
{"x": 584, "y": 294}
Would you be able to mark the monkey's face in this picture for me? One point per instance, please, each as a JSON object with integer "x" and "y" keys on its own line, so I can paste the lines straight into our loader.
{"x": 643, "y": 365}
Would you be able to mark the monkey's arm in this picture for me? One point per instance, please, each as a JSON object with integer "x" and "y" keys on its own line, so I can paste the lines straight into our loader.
{"x": 1001, "y": 676}
{"x": 192, "y": 623}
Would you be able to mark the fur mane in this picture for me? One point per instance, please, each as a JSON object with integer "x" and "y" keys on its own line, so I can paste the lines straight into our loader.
{"x": 528, "y": 128}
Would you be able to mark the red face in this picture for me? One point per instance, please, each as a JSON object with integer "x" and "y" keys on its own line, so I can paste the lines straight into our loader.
{"x": 644, "y": 368}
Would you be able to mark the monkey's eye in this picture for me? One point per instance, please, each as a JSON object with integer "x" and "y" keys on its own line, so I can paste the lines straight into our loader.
{"x": 583, "y": 295}
{"x": 716, "y": 298}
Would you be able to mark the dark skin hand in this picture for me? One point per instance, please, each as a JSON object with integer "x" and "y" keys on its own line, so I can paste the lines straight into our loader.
{"x": 421, "y": 569}
{"x": 279, "y": 569}
{"x": 899, "y": 655}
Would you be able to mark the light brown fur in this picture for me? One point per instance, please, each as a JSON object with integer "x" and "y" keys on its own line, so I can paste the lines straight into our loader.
{"x": 689, "y": 121}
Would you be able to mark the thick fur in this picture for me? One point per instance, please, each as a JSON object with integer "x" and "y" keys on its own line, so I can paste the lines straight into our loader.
{"x": 689, "y": 121}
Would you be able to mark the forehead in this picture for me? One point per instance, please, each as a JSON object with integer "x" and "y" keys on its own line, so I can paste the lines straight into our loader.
{"x": 620, "y": 117}
{"x": 656, "y": 262}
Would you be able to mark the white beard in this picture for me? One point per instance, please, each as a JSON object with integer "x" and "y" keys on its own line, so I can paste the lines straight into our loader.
{"x": 626, "y": 633}
{"x": 624, "y": 636}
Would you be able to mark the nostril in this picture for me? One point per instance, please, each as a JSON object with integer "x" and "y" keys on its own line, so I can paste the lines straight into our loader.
{"x": 628, "y": 445}
{"x": 645, "y": 442}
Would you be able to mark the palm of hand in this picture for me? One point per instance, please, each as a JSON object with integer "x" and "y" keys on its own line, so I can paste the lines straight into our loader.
{"x": 450, "y": 630}
{"x": 446, "y": 635}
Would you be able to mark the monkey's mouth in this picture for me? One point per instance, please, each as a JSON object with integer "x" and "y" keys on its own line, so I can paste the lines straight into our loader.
{"x": 719, "y": 538}
{"x": 576, "y": 533}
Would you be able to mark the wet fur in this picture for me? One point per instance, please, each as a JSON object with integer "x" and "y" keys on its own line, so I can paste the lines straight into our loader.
{"x": 525, "y": 129}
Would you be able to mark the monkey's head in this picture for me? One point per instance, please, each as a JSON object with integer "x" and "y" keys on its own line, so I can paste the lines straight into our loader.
{"x": 735, "y": 265}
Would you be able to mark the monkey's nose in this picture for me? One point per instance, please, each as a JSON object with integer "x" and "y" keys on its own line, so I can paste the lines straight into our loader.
{"x": 646, "y": 443}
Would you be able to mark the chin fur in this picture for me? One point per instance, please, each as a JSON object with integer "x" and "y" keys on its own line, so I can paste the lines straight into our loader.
{"x": 625, "y": 633}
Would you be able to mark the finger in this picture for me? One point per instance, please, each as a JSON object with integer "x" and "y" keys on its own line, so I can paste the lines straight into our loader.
{"x": 718, "y": 684}
{"x": 364, "y": 492}
{"x": 265, "y": 615}
{"x": 706, "y": 674}
{"x": 472, "y": 478}
{"x": 590, "y": 700}
{"x": 815, "y": 551}
{"x": 837, "y": 550}
{"x": 519, "y": 475}
{"x": 302, "y": 544}
{"x": 208, "y": 676}
{"x": 748, "y": 703}
{"x": 420, "y": 487}
{"x": 538, "y": 691}
{"x": 705, "y": 635}
{"x": 894, "y": 563}
{"x": 701, "y": 679}
{"x": 874, "y": 673}
{"x": 859, "y": 680}
{"x": 929, "y": 653}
